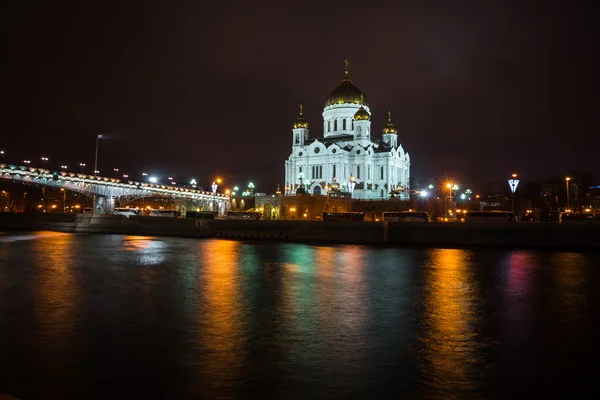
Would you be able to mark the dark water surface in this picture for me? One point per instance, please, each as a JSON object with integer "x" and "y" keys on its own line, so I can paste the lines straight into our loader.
{"x": 92, "y": 316}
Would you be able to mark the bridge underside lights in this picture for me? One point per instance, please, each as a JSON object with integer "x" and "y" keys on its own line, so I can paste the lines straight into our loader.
{"x": 104, "y": 187}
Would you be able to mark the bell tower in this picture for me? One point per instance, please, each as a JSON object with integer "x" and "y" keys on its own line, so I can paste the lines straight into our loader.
{"x": 300, "y": 131}
{"x": 362, "y": 126}
{"x": 390, "y": 133}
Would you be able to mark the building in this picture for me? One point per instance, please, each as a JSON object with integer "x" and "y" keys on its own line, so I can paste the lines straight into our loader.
{"x": 348, "y": 158}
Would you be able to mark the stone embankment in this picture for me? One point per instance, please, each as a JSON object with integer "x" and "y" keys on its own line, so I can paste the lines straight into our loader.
{"x": 536, "y": 235}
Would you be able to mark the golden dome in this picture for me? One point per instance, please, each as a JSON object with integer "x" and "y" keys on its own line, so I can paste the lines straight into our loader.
{"x": 362, "y": 115}
{"x": 389, "y": 128}
{"x": 301, "y": 122}
{"x": 346, "y": 93}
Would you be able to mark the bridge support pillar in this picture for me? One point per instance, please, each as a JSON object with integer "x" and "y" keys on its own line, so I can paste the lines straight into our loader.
{"x": 104, "y": 205}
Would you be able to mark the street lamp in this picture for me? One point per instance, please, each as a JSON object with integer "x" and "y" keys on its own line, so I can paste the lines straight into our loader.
{"x": 26, "y": 162}
{"x": 125, "y": 176}
{"x": 567, "y": 179}
{"x": 64, "y": 167}
{"x": 82, "y": 165}
{"x": 351, "y": 185}
{"x": 153, "y": 179}
{"x": 115, "y": 170}
{"x": 98, "y": 137}
{"x": 513, "y": 183}
{"x": 64, "y": 200}
{"x": 44, "y": 161}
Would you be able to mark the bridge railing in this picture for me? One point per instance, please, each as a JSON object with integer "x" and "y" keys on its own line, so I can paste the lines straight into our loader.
{"x": 101, "y": 186}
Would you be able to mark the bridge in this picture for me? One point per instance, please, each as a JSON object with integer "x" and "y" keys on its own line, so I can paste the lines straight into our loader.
{"x": 107, "y": 192}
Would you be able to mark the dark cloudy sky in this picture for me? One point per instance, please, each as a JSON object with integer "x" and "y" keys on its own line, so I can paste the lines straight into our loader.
{"x": 192, "y": 88}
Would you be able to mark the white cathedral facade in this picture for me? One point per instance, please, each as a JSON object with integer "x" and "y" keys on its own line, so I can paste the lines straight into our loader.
{"x": 347, "y": 158}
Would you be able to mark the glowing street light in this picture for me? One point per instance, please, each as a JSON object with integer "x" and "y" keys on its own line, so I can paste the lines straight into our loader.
{"x": 424, "y": 193}
{"x": 98, "y": 137}
{"x": 567, "y": 179}
{"x": 430, "y": 186}
{"x": 513, "y": 183}
{"x": 44, "y": 161}
{"x": 82, "y": 165}
{"x": 26, "y": 162}
{"x": 115, "y": 170}
{"x": 64, "y": 167}
{"x": 351, "y": 185}
{"x": 125, "y": 176}
{"x": 153, "y": 179}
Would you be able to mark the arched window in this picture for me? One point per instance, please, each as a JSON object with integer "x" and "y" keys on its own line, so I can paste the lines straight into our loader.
{"x": 328, "y": 126}
{"x": 297, "y": 138}
{"x": 335, "y": 125}
{"x": 344, "y": 124}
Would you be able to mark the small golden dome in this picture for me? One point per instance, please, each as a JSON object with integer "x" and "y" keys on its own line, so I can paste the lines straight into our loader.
{"x": 301, "y": 122}
{"x": 389, "y": 128}
{"x": 346, "y": 93}
{"x": 362, "y": 115}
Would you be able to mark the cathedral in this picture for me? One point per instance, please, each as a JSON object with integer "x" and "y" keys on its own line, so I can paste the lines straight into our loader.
{"x": 347, "y": 158}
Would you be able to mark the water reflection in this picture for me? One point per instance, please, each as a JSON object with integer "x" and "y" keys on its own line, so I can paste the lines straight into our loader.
{"x": 221, "y": 320}
{"x": 519, "y": 292}
{"x": 450, "y": 344}
{"x": 57, "y": 293}
{"x": 149, "y": 251}
{"x": 570, "y": 295}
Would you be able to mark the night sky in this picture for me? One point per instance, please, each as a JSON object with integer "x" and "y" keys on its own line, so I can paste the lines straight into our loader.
{"x": 476, "y": 89}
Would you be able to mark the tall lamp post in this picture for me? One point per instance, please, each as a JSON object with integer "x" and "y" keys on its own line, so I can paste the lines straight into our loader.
{"x": 64, "y": 200}
{"x": 82, "y": 165}
{"x": 567, "y": 179}
{"x": 513, "y": 183}
{"x": 351, "y": 185}
{"x": 449, "y": 187}
{"x": 98, "y": 137}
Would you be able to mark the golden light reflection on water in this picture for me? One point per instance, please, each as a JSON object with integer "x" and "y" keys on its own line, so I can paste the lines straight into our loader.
{"x": 221, "y": 321}
{"x": 449, "y": 337}
{"x": 57, "y": 288}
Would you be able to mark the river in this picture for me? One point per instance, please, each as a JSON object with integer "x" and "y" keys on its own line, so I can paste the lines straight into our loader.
{"x": 114, "y": 316}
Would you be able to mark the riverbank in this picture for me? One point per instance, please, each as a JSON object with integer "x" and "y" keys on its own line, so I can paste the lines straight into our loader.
{"x": 532, "y": 235}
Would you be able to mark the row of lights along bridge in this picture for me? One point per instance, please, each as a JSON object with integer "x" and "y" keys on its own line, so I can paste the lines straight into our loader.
{"x": 144, "y": 175}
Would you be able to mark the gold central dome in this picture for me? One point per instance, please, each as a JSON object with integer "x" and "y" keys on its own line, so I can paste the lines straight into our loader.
{"x": 301, "y": 122}
{"x": 389, "y": 128}
{"x": 346, "y": 93}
